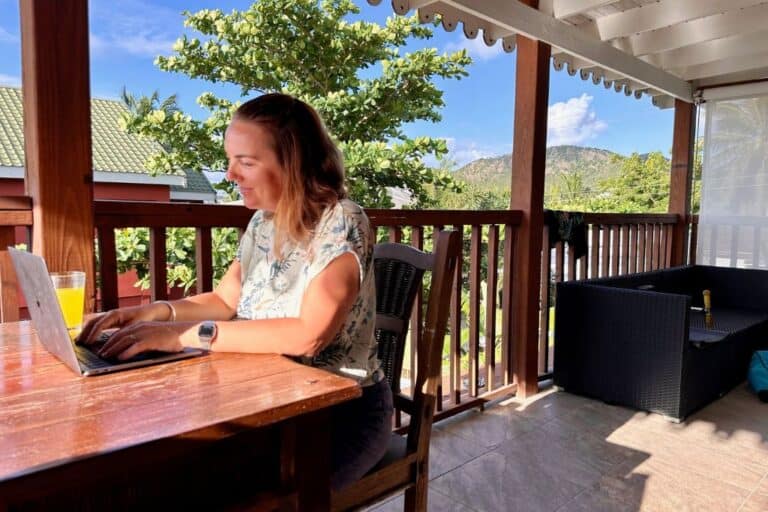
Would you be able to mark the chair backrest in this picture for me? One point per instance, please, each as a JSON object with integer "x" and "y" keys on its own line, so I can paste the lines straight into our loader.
{"x": 398, "y": 271}
{"x": 447, "y": 249}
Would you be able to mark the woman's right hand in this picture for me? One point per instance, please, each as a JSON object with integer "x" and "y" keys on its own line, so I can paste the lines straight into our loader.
{"x": 119, "y": 318}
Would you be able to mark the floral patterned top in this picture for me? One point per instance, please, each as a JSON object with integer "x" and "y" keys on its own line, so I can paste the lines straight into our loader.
{"x": 273, "y": 288}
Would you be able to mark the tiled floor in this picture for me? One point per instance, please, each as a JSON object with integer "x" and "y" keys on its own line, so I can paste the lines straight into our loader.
{"x": 560, "y": 452}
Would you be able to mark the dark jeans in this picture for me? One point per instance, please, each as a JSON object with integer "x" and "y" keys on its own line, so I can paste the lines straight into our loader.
{"x": 360, "y": 434}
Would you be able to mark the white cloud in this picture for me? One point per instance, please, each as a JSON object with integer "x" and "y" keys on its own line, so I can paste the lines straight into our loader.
{"x": 7, "y": 37}
{"x": 135, "y": 27}
{"x": 573, "y": 122}
{"x": 476, "y": 47}
{"x": 11, "y": 80}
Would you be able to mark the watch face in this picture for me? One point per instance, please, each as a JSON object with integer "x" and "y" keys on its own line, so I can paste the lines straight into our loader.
{"x": 207, "y": 329}
{"x": 206, "y": 334}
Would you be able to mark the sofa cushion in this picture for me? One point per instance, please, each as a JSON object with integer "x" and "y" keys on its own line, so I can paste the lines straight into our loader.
{"x": 725, "y": 322}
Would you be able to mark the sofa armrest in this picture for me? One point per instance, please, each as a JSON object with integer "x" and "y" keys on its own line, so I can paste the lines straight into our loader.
{"x": 617, "y": 344}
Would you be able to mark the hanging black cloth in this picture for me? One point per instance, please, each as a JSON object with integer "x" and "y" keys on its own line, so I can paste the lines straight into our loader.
{"x": 567, "y": 227}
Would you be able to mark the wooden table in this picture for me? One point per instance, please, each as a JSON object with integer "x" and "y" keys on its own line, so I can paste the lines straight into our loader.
{"x": 214, "y": 431}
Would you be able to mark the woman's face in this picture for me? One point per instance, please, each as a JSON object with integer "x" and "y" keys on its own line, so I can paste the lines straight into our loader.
{"x": 253, "y": 165}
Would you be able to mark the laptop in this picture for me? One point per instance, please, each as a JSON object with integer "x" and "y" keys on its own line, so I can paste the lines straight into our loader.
{"x": 48, "y": 320}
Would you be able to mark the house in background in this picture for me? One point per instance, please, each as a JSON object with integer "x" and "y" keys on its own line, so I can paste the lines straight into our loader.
{"x": 118, "y": 168}
{"x": 118, "y": 158}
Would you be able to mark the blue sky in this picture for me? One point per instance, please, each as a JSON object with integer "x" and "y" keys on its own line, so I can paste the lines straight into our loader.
{"x": 477, "y": 118}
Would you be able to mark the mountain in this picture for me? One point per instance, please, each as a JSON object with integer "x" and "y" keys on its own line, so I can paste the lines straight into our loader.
{"x": 595, "y": 164}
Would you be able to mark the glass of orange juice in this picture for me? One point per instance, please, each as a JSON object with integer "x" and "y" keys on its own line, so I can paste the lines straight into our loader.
{"x": 70, "y": 290}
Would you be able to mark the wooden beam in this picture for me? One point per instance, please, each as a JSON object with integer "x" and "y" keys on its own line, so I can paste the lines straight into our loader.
{"x": 681, "y": 177}
{"x": 664, "y": 13}
{"x": 527, "y": 195}
{"x": 566, "y": 8}
{"x": 723, "y": 67}
{"x": 743, "y": 21}
{"x": 526, "y": 21}
{"x": 57, "y": 133}
{"x": 711, "y": 51}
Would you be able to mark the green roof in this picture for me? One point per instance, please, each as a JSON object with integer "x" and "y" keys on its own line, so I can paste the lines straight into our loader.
{"x": 196, "y": 182}
{"x": 113, "y": 149}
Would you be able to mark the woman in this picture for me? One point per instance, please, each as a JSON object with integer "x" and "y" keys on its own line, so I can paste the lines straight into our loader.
{"x": 302, "y": 282}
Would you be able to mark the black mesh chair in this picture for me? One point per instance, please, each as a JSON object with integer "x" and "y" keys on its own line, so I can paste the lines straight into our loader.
{"x": 398, "y": 271}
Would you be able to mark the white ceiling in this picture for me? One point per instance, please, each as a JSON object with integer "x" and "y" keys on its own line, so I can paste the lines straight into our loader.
{"x": 663, "y": 48}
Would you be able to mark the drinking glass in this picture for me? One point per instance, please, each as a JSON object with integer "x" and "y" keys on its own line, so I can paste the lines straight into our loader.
{"x": 70, "y": 290}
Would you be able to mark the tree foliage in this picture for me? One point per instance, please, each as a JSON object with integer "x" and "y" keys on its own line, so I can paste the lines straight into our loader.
{"x": 353, "y": 73}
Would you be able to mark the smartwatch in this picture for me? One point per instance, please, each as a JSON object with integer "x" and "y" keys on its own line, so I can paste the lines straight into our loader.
{"x": 207, "y": 334}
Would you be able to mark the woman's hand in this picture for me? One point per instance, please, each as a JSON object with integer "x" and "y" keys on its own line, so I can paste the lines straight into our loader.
{"x": 119, "y": 318}
{"x": 143, "y": 337}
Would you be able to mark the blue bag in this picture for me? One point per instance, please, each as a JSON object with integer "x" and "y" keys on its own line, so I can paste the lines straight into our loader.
{"x": 758, "y": 374}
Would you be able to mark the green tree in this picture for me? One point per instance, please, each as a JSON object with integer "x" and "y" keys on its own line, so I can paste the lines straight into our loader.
{"x": 352, "y": 72}
{"x": 568, "y": 192}
{"x": 642, "y": 186}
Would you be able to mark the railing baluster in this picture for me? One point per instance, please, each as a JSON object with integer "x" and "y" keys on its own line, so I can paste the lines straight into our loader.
{"x": 615, "y": 250}
{"x": 490, "y": 308}
{"x": 158, "y": 272}
{"x": 435, "y": 229}
{"x": 571, "y": 263}
{"x": 715, "y": 232}
{"x": 668, "y": 246}
{"x": 594, "y": 269}
{"x": 546, "y": 263}
{"x": 694, "y": 242}
{"x": 633, "y": 243}
{"x": 417, "y": 241}
{"x": 649, "y": 247}
{"x": 559, "y": 262}
{"x": 640, "y": 248}
{"x": 474, "y": 308}
{"x": 455, "y": 323}
{"x": 395, "y": 234}
{"x": 624, "y": 249}
{"x": 756, "y": 247}
{"x": 506, "y": 306}
{"x": 204, "y": 259}
{"x": 734, "y": 245}
{"x": 606, "y": 251}
{"x": 108, "y": 268}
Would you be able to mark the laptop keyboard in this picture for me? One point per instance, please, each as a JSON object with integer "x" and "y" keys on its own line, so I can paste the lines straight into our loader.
{"x": 87, "y": 357}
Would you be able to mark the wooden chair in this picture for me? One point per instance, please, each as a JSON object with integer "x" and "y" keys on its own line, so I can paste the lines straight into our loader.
{"x": 398, "y": 271}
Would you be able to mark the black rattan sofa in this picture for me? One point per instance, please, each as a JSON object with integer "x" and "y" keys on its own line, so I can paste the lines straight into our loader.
{"x": 635, "y": 340}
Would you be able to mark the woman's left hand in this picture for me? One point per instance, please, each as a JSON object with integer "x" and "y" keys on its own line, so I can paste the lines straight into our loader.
{"x": 143, "y": 337}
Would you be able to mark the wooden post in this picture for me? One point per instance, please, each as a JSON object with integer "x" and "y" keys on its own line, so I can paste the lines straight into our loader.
{"x": 528, "y": 162}
{"x": 57, "y": 133}
{"x": 681, "y": 177}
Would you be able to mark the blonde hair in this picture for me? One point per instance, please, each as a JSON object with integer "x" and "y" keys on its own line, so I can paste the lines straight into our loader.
{"x": 314, "y": 171}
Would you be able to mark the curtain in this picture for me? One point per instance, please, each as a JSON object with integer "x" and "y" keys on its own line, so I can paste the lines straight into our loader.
{"x": 733, "y": 217}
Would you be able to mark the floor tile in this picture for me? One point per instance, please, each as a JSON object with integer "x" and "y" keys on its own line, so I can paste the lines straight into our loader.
{"x": 494, "y": 482}
{"x": 448, "y": 451}
{"x": 436, "y": 502}
{"x": 489, "y": 428}
{"x": 593, "y": 500}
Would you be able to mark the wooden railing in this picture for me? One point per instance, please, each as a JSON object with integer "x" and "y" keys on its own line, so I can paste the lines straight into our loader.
{"x": 479, "y": 354}
{"x": 478, "y": 364}
{"x": 617, "y": 244}
{"x": 734, "y": 241}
